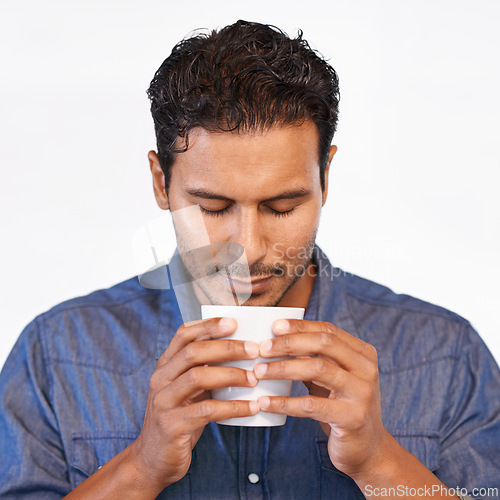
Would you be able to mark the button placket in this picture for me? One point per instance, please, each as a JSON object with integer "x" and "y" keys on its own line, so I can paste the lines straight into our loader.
{"x": 255, "y": 462}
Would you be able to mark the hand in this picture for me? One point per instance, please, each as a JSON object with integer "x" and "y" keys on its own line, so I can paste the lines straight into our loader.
{"x": 179, "y": 404}
{"x": 343, "y": 383}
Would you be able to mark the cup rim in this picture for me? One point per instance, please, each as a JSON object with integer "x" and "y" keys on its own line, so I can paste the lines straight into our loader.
{"x": 274, "y": 308}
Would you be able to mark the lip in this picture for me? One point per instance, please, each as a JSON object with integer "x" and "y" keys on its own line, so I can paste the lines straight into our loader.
{"x": 257, "y": 285}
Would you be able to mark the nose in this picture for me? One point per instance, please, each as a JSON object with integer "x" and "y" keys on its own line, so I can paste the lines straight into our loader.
{"x": 249, "y": 232}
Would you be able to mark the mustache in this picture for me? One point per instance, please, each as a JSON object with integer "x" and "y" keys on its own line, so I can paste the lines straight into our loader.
{"x": 223, "y": 258}
{"x": 255, "y": 271}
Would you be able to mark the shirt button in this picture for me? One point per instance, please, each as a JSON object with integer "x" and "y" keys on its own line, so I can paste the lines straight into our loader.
{"x": 253, "y": 478}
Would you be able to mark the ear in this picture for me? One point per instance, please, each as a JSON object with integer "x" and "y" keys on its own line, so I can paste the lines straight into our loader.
{"x": 158, "y": 181}
{"x": 333, "y": 150}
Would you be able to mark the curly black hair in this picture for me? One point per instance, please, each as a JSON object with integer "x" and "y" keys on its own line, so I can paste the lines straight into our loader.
{"x": 246, "y": 76}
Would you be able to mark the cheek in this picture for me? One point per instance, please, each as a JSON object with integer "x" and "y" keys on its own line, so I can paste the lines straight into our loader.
{"x": 295, "y": 238}
{"x": 218, "y": 228}
{"x": 305, "y": 222}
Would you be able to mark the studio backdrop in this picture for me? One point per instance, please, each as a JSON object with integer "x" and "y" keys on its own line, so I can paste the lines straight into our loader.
{"x": 413, "y": 201}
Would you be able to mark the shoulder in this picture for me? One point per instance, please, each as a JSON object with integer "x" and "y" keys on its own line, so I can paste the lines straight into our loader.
{"x": 129, "y": 290}
{"x": 113, "y": 329}
{"x": 368, "y": 302}
{"x": 375, "y": 297}
{"x": 404, "y": 329}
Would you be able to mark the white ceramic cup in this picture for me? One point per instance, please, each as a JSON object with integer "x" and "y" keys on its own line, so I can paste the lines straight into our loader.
{"x": 255, "y": 324}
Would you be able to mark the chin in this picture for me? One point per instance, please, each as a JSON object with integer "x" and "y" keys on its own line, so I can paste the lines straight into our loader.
{"x": 267, "y": 298}
{"x": 219, "y": 294}
{"x": 259, "y": 301}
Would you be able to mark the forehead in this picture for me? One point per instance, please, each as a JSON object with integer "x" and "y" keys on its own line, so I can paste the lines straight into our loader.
{"x": 268, "y": 161}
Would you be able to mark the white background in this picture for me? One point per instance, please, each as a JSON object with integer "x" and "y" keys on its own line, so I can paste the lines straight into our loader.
{"x": 413, "y": 201}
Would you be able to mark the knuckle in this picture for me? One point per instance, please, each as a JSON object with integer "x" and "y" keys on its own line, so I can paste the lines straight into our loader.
{"x": 183, "y": 330}
{"x": 368, "y": 350}
{"x": 282, "y": 366}
{"x": 286, "y": 343}
{"x": 189, "y": 353}
{"x": 213, "y": 327}
{"x": 235, "y": 408}
{"x": 231, "y": 347}
{"x": 331, "y": 328}
{"x": 161, "y": 360}
{"x": 210, "y": 328}
{"x": 156, "y": 402}
{"x": 327, "y": 328}
{"x": 238, "y": 375}
{"x": 154, "y": 381}
{"x": 282, "y": 405}
{"x": 325, "y": 339}
{"x": 372, "y": 372}
{"x": 318, "y": 366}
{"x": 372, "y": 351}
{"x": 297, "y": 325}
{"x": 165, "y": 357}
{"x": 336, "y": 332}
{"x": 195, "y": 376}
{"x": 308, "y": 405}
{"x": 205, "y": 408}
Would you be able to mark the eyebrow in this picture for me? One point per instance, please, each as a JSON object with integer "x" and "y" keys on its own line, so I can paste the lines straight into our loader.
{"x": 287, "y": 195}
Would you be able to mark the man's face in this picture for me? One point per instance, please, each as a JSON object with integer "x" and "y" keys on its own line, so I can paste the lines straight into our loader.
{"x": 260, "y": 190}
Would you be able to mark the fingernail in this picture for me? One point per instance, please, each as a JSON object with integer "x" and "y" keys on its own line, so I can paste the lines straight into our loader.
{"x": 264, "y": 402}
{"x": 252, "y": 349}
{"x": 227, "y": 324}
{"x": 260, "y": 369}
{"x": 281, "y": 326}
{"x": 251, "y": 377}
{"x": 265, "y": 346}
{"x": 254, "y": 406}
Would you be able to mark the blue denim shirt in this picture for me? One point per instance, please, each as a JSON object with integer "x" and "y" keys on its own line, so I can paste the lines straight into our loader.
{"x": 73, "y": 394}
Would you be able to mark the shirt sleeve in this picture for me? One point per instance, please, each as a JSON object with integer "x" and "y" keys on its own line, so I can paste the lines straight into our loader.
{"x": 470, "y": 433}
{"x": 32, "y": 459}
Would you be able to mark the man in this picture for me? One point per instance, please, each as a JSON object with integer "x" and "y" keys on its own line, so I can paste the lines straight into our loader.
{"x": 109, "y": 395}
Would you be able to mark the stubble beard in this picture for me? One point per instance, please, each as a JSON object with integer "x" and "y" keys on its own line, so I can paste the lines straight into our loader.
{"x": 209, "y": 282}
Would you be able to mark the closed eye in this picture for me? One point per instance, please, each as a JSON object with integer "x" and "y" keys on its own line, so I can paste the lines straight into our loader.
{"x": 218, "y": 213}
{"x": 277, "y": 213}
{"x": 215, "y": 213}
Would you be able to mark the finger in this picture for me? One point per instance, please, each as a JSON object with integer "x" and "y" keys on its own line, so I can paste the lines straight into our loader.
{"x": 199, "y": 414}
{"x": 207, "y": 352}
{"x": 317, "y": 370}
{"x": 324, "y": 345}
{"x": 203, "y": 378}
{"x": 204, "y": 329}
{"x": 320, "y": 409}
{"x": 284, "y": 326}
